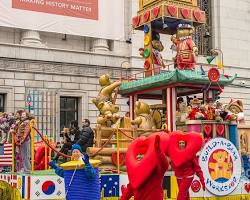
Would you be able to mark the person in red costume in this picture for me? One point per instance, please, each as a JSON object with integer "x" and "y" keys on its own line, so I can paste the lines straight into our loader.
{"x": 152, "y": 188}
{"x": 185, "y": 174}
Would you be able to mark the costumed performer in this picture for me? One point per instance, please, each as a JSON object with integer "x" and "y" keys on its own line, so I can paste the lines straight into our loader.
{"x": 76, "y": 155}
{"x": 185, "y": 174}
{"x": 151, "y": 187}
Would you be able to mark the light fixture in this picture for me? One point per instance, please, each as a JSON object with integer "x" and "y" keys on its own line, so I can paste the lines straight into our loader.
{"x": 207, "y": 34}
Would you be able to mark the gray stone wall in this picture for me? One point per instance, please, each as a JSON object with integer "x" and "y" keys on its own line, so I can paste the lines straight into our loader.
{"x": 54, "y": 73}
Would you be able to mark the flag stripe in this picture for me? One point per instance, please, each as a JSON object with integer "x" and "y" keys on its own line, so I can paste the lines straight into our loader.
{"x": 23, "y": 187}
{"x": 6, "y": 155}
{"x": 28, "y": 187}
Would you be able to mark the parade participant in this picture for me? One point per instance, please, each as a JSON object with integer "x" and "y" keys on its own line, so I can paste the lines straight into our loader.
{"x": 185, "y": 174}
{"x": 77, "y": 155}
{"x": 23, "y": 141}
{"x": 86, "y": 136}
{"x": 152, "y": 187}
{"x": 69, "y": 138}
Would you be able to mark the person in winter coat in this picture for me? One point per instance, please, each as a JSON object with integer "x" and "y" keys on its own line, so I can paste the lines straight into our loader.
{"x": 185, "y": 174}
{"x": 86, "y": 136}
{"x": 70, "y": 138}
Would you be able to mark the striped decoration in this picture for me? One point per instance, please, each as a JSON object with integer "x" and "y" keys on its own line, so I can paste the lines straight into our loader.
{"x": 6, "y": 155}
{"x": 171, "y": 108}
{"x": 77, "y": 186}
{"x": 25, "y": 187}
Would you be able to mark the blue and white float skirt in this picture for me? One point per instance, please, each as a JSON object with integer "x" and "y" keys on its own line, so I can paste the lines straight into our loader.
{"x": 81, "y": 180}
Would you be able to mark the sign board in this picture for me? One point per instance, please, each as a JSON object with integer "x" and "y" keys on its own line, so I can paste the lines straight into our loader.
{"x": 91, "y": 18}
{"x": 221, "y": 165}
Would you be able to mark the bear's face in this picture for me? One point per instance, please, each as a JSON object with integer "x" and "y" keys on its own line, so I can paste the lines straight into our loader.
{"x": 157, "y": 45}
{"x": 220, "y": 156}
{"x": 234, "y": 109}
{"x": 184, "y": 32}
{"x": 104, "y": 80}
{"x": 141, "y": 108}
{"x": 182, "y": 107}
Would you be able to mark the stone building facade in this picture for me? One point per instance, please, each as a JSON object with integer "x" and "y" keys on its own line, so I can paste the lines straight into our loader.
{"x": 52, "y": 69}
{"x": 41, "y": 71}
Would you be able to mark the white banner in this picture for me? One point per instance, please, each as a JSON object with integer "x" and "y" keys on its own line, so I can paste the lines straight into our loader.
{"x": 91, "y": 18}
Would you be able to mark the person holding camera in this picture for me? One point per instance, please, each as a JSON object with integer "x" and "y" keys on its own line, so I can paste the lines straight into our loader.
{"x": 70, "y": 137}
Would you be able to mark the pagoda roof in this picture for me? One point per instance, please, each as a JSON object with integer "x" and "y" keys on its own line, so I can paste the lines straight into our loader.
{"x": 165, "y": 15}
{"x": 173, "y": 78}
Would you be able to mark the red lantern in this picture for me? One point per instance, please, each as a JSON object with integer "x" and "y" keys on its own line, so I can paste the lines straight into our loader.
{"x": 146, "y": 65}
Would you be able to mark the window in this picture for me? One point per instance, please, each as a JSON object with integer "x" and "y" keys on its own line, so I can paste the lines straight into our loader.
{"x": 201, "y": 38}
{"x": 68, "y": 111}
{"x": 2, "y": 102}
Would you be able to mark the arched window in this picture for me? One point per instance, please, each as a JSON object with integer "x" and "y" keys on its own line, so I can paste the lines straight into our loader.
{"x": 202, "y": 36}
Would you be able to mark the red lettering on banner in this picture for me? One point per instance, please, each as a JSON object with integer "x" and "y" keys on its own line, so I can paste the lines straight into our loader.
{"x": 87, "y": 9}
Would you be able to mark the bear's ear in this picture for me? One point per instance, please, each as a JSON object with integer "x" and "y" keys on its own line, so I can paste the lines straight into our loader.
{"x": 100, "y": 105}
{"x": 138, "y": 104}
{"x": 215, "y": 156}
{"x": 224, "y": 154}
{"x": 239, "y": 102}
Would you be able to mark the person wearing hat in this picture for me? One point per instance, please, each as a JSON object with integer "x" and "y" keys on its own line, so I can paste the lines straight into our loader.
{"x": 75, "y": 156}
{"x": 187, "y": 51}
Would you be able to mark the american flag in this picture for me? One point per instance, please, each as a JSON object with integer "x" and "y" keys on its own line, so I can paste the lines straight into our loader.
{"x": 6, "y": 155}
{"x": 110, "y": 185}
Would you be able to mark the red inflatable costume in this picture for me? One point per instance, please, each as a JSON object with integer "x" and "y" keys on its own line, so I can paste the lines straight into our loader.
{"x": 182, "y": 150}
{"x": 185, "y": 174}
{"x": 151, "y": 187}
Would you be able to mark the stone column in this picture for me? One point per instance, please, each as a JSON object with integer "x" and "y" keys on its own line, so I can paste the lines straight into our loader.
{"x": 31, "y": 38}
{"x": 100, "y": 45}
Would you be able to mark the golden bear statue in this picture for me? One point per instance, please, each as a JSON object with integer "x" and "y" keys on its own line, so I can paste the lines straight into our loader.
{"x": 107, "y": 88}
{"x": 145, "y": 118}
{"x": 106, "y": 103}
{"x": 108, "y": 114}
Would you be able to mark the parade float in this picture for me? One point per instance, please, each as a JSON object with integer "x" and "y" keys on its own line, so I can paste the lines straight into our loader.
{"x": 187, "y": 96}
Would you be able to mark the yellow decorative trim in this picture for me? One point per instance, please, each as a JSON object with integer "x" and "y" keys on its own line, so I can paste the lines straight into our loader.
{"x": 231, "y": 197}
{"x": 71, "y": 165}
